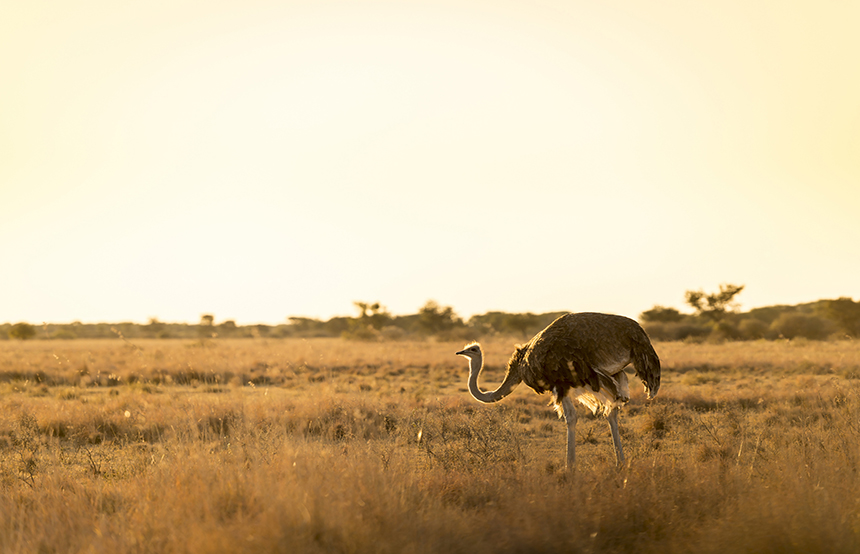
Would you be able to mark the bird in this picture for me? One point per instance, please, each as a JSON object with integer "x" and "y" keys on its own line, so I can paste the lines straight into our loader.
{"x": 579, "y": 356}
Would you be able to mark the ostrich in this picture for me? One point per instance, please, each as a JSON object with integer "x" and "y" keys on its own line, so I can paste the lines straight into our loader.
{"x": 579, "y": 356}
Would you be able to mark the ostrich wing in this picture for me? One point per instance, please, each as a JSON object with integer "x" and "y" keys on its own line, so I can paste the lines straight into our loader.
{"x": 557, "y": 361}
{"x": 575, "y": 349}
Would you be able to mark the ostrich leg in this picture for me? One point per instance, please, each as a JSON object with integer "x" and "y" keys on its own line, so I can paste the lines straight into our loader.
{"x": 570, "y": 419}
{"x": 616, "y": 437}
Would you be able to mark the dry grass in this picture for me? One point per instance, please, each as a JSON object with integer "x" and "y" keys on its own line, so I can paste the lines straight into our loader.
{"x": 330, "y": 446}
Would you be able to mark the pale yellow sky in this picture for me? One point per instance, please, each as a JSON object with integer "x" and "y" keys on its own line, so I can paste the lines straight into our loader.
{"x": 257, "y": 159}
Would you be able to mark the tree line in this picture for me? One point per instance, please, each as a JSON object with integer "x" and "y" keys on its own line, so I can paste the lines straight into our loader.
{"x": 715, "y": 316}
{"x": 372, "y": 322}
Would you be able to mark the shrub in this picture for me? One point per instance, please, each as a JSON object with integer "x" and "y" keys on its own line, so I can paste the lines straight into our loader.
{"x": 22, "y": 331}
{"x": 434, "y": 319}
{"x": 676, "y": 331}
{"x": 661, "y": 314}
{"x": 391, "y": 332}
{"x": 752, "y": 329}
{"x": 367, "y": 333}
{"x": 723, "y": 330}
{"x": 797, "y": 325}
{"x": 846, "y": 313}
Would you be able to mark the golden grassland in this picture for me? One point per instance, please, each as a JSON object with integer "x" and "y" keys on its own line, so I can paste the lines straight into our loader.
{"x": 324, "y": 445}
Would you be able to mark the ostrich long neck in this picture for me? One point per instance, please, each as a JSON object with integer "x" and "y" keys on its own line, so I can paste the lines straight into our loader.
{"x": 512, "y": 379}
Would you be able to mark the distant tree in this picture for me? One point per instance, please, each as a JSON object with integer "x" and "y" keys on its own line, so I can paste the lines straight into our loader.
{"x": 525, "y": 324}
{"x": 64, "y": 334}
{"x": 303, "y": 325}
{"x": 154, "y": 327}
{"x": 367, "y": 326}
{"x": 714, "y": 306}
{"x": 22, "y": 331}
{"x": 207, "y": 322}
{"x": 227, "y": 328}
{"x": 846, "y": 313}
{"x": 260, "y": 330}
{"x": 309, "y": 327}
{"x": 488, "y": 323}
{"x": 373, "y": 315}
{"x": 521, "y": 323}
{"x": 364, "y": 307}
{"x": 659, "y": 314}
{"x": 336, "y": 326}
{"x": 434, "y": 318}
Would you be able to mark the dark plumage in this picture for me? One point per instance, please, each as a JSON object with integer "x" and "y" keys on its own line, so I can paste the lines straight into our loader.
{"x": 576, "y": 350}
{"x": 579, "y": 356}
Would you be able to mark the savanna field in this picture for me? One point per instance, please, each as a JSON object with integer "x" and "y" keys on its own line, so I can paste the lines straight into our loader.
{"x": 328, "y": 445}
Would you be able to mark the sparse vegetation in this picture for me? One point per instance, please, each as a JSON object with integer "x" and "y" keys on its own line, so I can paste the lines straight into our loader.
{"x": 716, "y": 318}
{"x": 327, "y": 445}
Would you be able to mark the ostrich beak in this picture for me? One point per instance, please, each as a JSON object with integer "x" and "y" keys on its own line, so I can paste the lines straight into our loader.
{"x": 460, "y": 353}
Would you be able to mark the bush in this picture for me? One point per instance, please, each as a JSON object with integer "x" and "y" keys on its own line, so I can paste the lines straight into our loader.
{"x": 753, "y": 329}
{"x": 724, "y": 330}
{"x": 394, "y": 333}
{"x": 367, "y": 333}
{"x": 797, "y": 325}
{"x": 434, "y": 319}
{"x": 676, "y": 331}
{"x": 661, "y": 314}
{"x": 846, "y": 313}
{"x": 22, "y": 331}
{"x": 524, "y": 325}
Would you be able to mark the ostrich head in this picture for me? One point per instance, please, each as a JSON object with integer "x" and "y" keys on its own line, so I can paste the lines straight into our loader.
{"x": 471, "y": 351}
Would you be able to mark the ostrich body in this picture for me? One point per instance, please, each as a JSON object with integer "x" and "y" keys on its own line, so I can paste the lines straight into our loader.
{"x": 578, "y": 356}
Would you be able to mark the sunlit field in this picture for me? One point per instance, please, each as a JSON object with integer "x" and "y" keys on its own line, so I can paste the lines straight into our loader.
{"x": 326, "y": 445}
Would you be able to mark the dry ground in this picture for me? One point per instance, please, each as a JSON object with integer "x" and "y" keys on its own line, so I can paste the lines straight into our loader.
{"x": 331, "y": 446}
